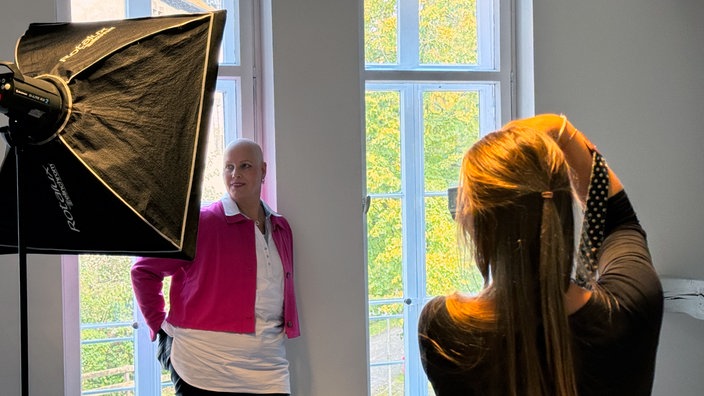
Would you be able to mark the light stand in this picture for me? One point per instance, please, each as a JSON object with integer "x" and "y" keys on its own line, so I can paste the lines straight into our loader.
{"x": 127, "y": 141}
{"x": 31, "y": 104}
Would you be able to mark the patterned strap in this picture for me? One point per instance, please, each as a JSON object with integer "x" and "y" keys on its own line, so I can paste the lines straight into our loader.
{"x": 594, "y": 222}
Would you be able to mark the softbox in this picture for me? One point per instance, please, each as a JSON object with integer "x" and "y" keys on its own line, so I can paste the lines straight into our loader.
{"x": 120, "y": 171}
{"x": 108, "y": 126}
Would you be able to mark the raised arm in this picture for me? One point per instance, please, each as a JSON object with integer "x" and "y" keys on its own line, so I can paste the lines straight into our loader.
{"x": 577, "y": 147}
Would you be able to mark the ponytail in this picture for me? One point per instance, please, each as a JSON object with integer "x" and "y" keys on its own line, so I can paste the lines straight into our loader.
{"x": 553, "y": 287}
{"x": 515, "y": 205}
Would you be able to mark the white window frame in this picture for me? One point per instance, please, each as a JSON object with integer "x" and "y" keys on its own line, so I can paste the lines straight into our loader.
{"x": 238, "y": 80}
{"x": 496, "y": 68}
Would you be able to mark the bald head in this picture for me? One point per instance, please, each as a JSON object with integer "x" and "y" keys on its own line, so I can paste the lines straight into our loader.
{"x": 246, "y": 145}
{"x": 244, "y": 170}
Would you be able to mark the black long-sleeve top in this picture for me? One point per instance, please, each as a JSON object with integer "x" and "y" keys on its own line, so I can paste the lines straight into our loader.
{"x": 615, "y": 334}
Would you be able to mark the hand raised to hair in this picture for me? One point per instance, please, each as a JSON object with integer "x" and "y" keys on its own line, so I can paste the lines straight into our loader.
{"x": 552, "y": 124}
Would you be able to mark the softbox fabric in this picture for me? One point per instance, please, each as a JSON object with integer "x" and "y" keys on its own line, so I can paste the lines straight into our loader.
{"x": 124, "y": 174}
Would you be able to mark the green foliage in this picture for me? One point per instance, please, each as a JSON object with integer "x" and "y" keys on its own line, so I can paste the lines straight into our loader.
{"x": 447, "y": 35}
{"x": 107, "y": 313}
{"x": 446, "y": 272}
{"x": 383, "y": 141}
{"x": 391, "y": 310}
{"x": 106, "y": 297}
{"x": 384, "y": 241}
{"x": 107, "y": 364}
{"x": 380, "y": 27}
{"x": 448, "y": 32}
{"x": 450, "y": 126}
{"x": 106, "y": 289}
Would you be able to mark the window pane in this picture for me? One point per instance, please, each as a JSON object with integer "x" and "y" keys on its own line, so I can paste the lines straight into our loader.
{"x": 106, "y": 289}
{"x": 451, "y": 125}
{"x": 383, "y": 141}
{"x": 160, "y": 7}
{"x": 229, "y": 49}
{"x": 224, "y": 126}
{"x": 108, "y": 366}
{"x": 387, "y": 380}
{"x": 108, "y": 340}
{"x": 386, "y": 332}
{"x": 447, "y": 270}
{"x": 428, "y": 99}
{"x": 380, "y": 32}
{"x": 106, "y": 309}
{"x": 384, "y": 248}
{"x": 97, "y": 10}
{"x": 386, "y": 348}
{"x": 448, "y": 32}
{"x": 213, "y": 184}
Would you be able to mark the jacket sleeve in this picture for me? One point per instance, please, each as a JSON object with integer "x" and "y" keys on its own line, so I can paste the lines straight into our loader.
{"x": 147, "y": 281}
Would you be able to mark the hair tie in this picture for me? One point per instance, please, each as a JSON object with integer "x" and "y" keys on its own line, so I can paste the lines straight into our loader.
{"x": 546, "y": 194}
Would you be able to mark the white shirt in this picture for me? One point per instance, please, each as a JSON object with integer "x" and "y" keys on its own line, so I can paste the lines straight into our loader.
{"x": 238, "y": 362}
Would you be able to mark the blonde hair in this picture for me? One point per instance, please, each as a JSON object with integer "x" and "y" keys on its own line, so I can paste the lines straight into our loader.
{"x": 515, "y": 213}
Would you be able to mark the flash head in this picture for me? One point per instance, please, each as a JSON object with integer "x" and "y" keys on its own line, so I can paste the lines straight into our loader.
{"x": 37, "y": 108}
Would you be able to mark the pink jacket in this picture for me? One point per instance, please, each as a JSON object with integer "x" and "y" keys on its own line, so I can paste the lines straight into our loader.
{"x": 216, "y": 290}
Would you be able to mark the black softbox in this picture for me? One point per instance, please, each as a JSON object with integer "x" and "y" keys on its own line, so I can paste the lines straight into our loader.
{"x": 108, "y": 126}
{"x": 120, "y": 172}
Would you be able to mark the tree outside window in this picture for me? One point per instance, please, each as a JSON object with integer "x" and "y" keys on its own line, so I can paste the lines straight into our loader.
{"x": 435, "y": 82}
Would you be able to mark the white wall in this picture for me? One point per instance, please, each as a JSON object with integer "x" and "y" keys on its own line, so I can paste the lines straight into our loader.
{"x": 46, "y": 374}
{"x": 629, "y": 73}
{"x": 626, "y": 72}
{"x": 318, "y": 119}
{"x": 319, "y": 161}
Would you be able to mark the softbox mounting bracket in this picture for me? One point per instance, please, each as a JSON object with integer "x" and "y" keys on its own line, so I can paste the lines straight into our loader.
{"x": 37, "y": 108}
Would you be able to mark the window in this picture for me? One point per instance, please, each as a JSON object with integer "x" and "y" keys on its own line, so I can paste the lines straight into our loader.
{"x": 438, "y": 76}
{"x": 117, "y": 356}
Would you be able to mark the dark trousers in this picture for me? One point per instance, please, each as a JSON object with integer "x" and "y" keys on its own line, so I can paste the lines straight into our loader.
{"x": 180, "y": 386}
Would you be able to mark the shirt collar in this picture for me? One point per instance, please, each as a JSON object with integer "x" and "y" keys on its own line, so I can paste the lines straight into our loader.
{"x": 231, "y": 208}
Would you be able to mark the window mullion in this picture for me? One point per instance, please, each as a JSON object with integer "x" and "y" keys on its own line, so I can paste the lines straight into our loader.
{"x": 412, "y": 182}
{"x": 147, "y": 369}
{"x": 408, "y": 37}
{"x": 490, "y": 120}
{"x": 428, "y": 74}
{"x": 414, "y": 268}
{"x": 507, "y": 87}
{"x": 248, "y": 123}
{"x": 488, "y": 27}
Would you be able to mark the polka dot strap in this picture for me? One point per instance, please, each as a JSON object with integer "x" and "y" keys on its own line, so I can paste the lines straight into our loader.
{"x": 594, "y": 222}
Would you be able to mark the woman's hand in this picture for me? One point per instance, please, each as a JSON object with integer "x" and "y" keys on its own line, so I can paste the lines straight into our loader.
{"x": 577, "y": 148}
{"x": 556, "y": 126}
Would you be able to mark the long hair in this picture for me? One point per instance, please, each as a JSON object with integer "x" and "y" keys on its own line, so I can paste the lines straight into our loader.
{"x": 515, "y": 213}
